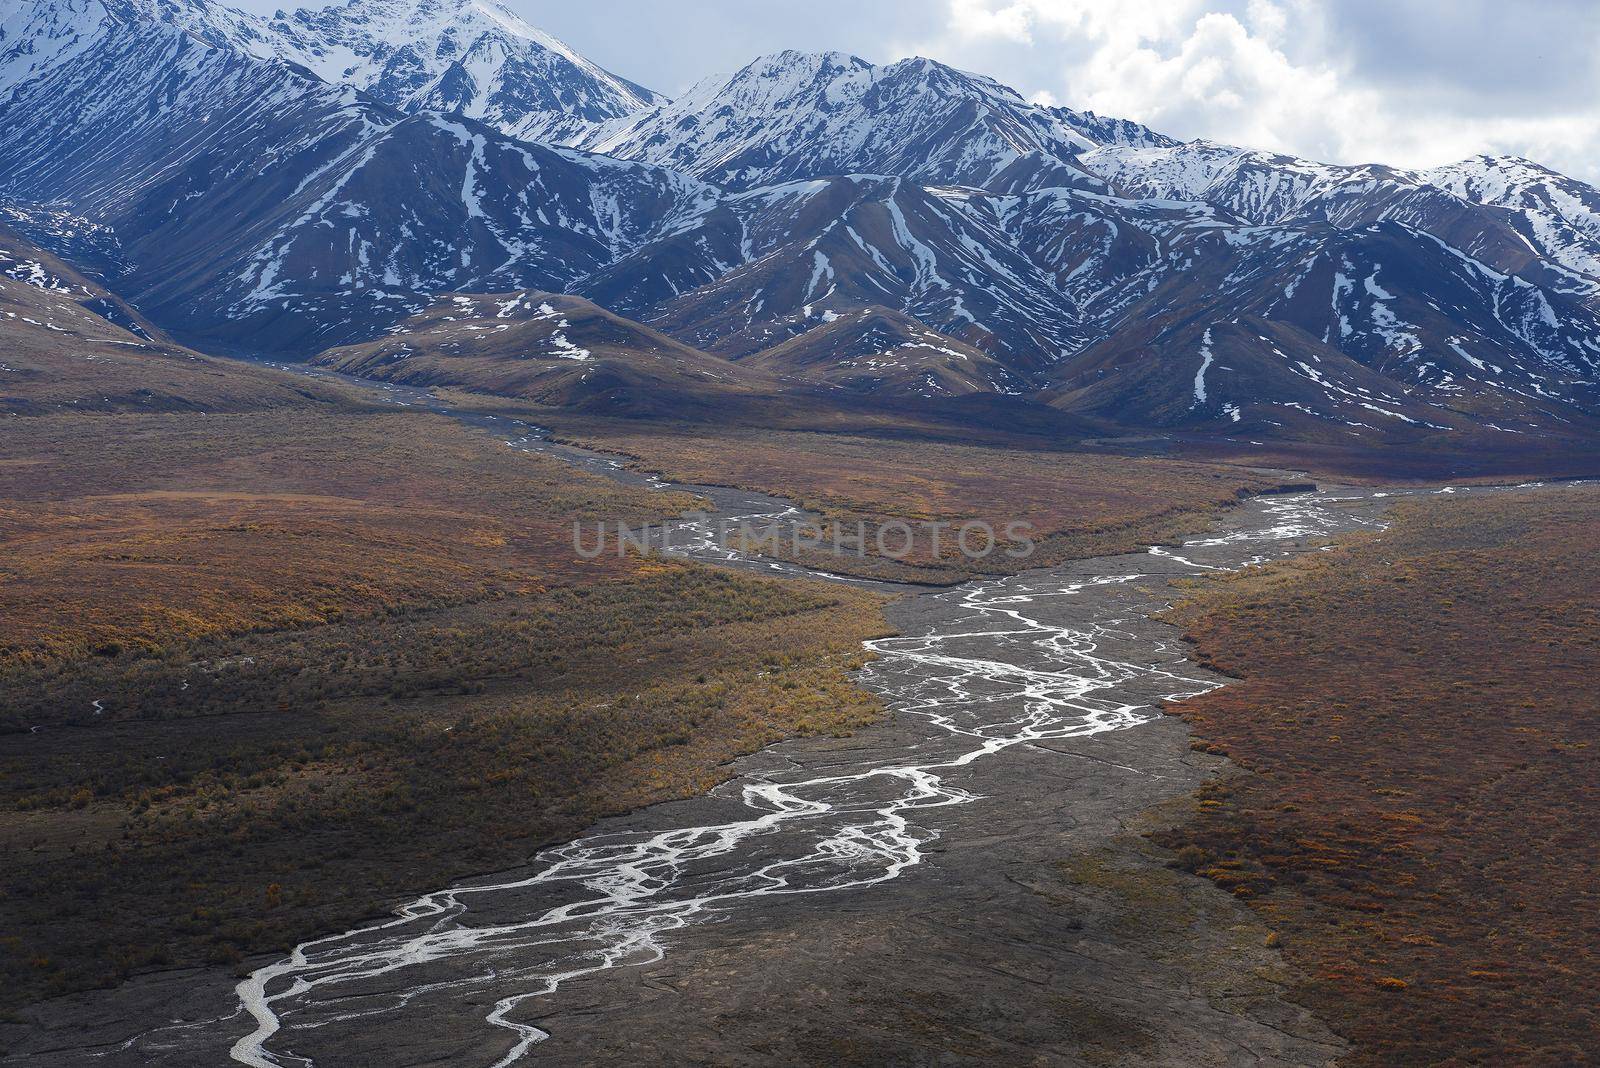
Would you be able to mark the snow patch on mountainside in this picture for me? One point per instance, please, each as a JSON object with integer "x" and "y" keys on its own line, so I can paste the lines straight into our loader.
{"x": 36, "y": 38}
{"x": 1205, "y": 365}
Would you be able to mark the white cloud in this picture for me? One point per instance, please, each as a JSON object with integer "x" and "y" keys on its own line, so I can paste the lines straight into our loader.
{"x": 1271, "y": 74}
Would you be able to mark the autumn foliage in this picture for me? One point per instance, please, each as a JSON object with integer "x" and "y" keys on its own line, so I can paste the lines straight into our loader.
{"x": 262, "y": 675}
{"x": 1417, "y": 721}
{"x": 1079, "y": 503}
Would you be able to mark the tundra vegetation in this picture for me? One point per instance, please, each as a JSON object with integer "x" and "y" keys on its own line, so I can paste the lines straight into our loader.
{"x": 1416, "y": 726}
{"x": 1077, "y": 504}
{"x": 265, "y": 671}
{"x": 263, "y": 674}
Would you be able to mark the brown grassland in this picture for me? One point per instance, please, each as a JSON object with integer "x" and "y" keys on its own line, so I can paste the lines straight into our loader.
{"x": 288, "y": 667}
{"x": 1080, "y": 504}
{"x": 1417, "y": 724}
{"x": 266, "y": 671}
{"x": 139, "y": 529}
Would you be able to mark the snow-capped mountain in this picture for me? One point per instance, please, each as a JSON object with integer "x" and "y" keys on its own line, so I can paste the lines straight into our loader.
{"x": 773, "y": 262}
{"x": 1048, "y": 280}
{"x": 1378, "y": 330}
{"x": 474, "y": 57}
{"x": 1559, "y": 217}
{"x": 1517, "y": 217}
{"x": 312, "y": 180}
{"x": 258, "y": 201}
{"x": 477, "y": 58}
{"x": 809, "y": 115}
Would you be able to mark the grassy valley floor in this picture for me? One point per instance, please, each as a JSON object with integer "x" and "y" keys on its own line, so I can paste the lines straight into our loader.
{"x": 1076, "y": 504}
{"x": 1416, "y": 720}
{"x": 261, "y": 674}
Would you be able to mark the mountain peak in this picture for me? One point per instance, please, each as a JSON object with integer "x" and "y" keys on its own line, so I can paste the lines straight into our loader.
{"x": 413, "y": 22}
{"x": 797, "y": 57}
{"x": 473, "y": 56}
{"x": 780, "y": 75}
{"x": 795, "y": 115}
{"x": 933, "y": 73}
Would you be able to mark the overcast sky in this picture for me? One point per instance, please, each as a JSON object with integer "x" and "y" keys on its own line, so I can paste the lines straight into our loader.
{"x": 1409, "y": 82}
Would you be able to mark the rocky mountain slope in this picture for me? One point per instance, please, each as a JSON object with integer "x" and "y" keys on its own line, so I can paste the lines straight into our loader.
{"x": 259, "y": 202}
{"x": 770, "y": 263}
{"x": 475, "y": 57}
{"x": 1512, "y": 215}
{"x": 69, "y": 345}
{"x": 807, "y": 115}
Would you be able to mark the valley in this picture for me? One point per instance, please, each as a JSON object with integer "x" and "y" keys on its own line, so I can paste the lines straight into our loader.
{"x": 1095, "y": 674}
{"x": 415, "y": 650}
{"x": 1071, "y": 651}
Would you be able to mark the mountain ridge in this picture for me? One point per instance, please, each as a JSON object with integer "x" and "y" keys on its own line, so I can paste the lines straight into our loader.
{"x": 915, "y": 118}
{"x": 1085, "y": 256}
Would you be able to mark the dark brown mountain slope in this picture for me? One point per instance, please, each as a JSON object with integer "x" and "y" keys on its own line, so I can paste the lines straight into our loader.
{"x": 67, "y": 344}
{"x": 882, "y": 351}
{"x": 553, "y": 349}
